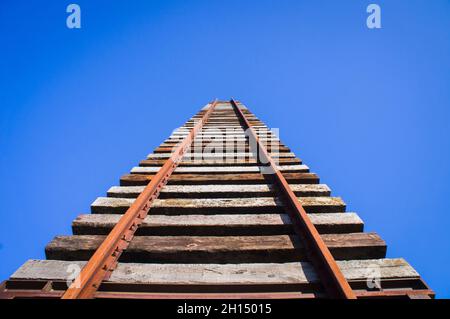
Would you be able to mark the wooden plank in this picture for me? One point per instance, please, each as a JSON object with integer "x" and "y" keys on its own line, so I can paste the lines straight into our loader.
{"x": 220, "y": 191}
{"x": 178, "y": 206}
{"x": 225, "y": 136}
{"x": 184, "y": 249}
{"x": 219, "y": 169}
{"x": 225, "y": 145}
{"x": 237, "y": 146}
{"x": 343, "y": 246}
{"x": 224, "y": 140}
{"x": 227, "y": 131}
{"x": 182, "y": 131}
{"x": 221, "y": 125}
{"x": 213, "y": 128}
{"x": 220, "y": 133}
{"x": 242, "y": 162}
{"x": 190, "y": 225}
{"x": 243, "y": 138}
{"x": 220, "y": 148}
{"x": 238, "y": 129}
{"x": 335, "y": 223}
{"x": 254, "y": 119}
{"x": 220, "y": 136}
{"x": 230, "y": 274}
{"x": 395, "y": 268}
{"x": 217, "y": 155}
{"x": 218, "y": 249}
{"x": 218, "y": 225}
{"x": 196, "y": 179}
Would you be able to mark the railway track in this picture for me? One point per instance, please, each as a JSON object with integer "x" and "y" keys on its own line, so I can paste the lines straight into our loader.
{"x": 221, "y": 209}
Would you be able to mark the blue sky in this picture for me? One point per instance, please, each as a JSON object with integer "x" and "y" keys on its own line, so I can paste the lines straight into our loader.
{"x": 368, "y": 110}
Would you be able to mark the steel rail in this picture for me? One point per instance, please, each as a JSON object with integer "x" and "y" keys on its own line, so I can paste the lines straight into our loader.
{"x": 324, "y": 263}
{"x": 104, "y": 260}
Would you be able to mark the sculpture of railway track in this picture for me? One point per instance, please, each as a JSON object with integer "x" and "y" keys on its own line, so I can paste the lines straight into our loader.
{"x": 221, "y": 209}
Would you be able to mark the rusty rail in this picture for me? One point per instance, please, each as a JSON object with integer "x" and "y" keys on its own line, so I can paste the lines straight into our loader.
{"x": 331, "y": 276}
{"x": 104, "y": 260}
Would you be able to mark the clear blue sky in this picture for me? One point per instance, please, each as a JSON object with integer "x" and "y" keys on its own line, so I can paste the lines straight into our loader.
{"x": 368, "y": 110}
